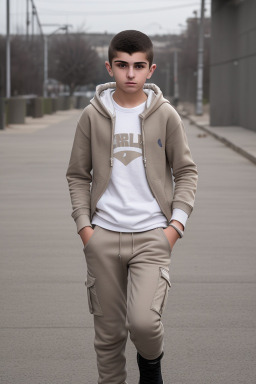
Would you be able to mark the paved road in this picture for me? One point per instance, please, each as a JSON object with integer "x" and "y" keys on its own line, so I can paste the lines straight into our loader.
{"x": 45, "y": 329}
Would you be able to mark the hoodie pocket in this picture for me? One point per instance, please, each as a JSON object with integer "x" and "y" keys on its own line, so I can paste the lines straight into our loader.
{"x": 161, "y": 294}
{"x": 93, "y": 301}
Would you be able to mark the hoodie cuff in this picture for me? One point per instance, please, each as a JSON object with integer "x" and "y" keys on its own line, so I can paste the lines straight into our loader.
{"x": 82, "y": 221}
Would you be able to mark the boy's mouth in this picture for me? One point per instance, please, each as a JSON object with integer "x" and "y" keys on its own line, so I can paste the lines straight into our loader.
{"x": 130, "y": 83}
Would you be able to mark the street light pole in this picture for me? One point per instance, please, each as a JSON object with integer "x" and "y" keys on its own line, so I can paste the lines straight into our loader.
{"x": 200, "y": 64}
{"x": 8, "y": 51}
{"x": 46, "y": 37}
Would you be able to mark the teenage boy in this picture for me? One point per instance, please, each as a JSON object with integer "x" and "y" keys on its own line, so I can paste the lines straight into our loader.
{"x": 128, "y": 143}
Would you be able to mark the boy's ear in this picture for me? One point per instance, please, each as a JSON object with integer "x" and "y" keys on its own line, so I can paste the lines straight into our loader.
{"x": 109, "y": 68}
{"x": 151, "y": 71}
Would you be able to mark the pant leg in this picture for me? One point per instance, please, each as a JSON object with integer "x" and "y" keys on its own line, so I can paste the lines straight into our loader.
{"x": 107, "y": 296}
{"x": 149, "y": 274}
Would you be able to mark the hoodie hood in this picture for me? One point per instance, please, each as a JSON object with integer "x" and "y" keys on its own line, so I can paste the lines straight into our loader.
{"x": 103, "y": 101}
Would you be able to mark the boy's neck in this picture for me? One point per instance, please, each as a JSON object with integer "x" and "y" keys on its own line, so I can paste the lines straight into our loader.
{"x": 129, "y": 100}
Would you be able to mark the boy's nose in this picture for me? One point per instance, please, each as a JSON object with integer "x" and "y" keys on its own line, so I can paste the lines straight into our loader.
{"x": 130, "y": 73}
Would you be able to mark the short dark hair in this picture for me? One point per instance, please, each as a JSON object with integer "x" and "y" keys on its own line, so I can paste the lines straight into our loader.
{"x": 131, "y": 41}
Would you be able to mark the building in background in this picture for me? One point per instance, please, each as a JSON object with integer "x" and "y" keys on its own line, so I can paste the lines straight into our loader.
{"x": 233, "y": 63}
{"x": 188, "y": 60}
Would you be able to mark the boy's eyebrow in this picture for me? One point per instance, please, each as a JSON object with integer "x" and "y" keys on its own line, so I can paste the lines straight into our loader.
{"x": 125, "y": 62}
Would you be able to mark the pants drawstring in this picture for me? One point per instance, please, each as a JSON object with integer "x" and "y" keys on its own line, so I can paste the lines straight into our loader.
{"x": 120, "y": 244}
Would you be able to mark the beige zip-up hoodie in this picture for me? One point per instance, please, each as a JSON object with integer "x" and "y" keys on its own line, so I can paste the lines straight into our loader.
{"x": 164, "y": 146}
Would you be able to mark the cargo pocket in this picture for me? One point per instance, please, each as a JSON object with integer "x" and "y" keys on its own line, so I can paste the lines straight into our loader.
{"x": 93, "y": 301}
{"x": 161, "y": 294}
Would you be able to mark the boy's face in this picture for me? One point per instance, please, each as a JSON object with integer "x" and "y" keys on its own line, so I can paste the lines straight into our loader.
{"x": 130, "y": 71}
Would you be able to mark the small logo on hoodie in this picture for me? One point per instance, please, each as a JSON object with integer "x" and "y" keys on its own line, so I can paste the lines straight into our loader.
{"x": 159, "y": 143}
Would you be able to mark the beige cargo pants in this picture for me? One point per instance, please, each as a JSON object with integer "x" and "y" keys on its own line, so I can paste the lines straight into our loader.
{"x": 113, "y": 259}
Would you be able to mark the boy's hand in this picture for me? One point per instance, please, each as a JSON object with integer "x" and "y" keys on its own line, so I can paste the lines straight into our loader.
{"x": 171, "y": 234}
{"x": 86, "y": 234}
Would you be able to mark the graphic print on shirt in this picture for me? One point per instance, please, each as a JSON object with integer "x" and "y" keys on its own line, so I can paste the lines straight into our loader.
{"x": 131, "y": 144}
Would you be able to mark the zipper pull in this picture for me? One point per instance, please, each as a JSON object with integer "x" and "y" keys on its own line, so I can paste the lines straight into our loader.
{"x": 145, "y": 162}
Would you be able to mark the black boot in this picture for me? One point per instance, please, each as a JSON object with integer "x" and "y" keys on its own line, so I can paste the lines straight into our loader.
{"x": 150, "y": 370}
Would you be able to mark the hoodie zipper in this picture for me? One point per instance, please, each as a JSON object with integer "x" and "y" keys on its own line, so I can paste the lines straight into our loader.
{"x": 143, "y": 143}
{"x": 113, "y": 120}
{"x": 112, "y": 158}
{"x": 145, "y": 163}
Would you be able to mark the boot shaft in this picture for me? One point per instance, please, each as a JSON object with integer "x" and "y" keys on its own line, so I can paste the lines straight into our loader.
{"x": 150, "y": 370}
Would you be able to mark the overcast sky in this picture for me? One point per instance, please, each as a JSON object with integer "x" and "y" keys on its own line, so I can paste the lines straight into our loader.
{"x": 148, "y": 16}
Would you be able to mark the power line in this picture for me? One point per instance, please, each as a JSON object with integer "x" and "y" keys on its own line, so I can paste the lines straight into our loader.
{"x": 121, "y": 12}
{"x": 109, "y": 2}
{"x": 102, "y": 13}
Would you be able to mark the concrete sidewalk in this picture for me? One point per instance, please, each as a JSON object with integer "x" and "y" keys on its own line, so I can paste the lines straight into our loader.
{"x": 34, "y": 124}
{"x": 46, "y": 330}
{"x": 241, "y": 140}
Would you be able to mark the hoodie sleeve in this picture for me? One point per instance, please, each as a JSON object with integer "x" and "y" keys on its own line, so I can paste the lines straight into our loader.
{"x": 79, "y": 175}
{"x": 184, "y": 169}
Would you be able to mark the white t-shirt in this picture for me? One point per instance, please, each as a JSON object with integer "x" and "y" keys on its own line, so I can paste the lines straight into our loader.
{"x": 128, "y": 205}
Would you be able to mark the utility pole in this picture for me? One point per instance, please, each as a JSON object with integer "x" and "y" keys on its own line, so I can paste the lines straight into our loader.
{"x": 27, "y": 18}
{"x": 33, "y": 19}
{"x": 168, "y": 68}
{"x": 175, "y": 75}
{"x": 35, "y": 13}
{"x": 45, "y": 65}
{"x": 8, "y": 51}
{"x": 200, "y": 64}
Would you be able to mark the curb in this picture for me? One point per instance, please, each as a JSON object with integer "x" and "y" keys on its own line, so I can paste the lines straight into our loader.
{"x": 222, "y": 139}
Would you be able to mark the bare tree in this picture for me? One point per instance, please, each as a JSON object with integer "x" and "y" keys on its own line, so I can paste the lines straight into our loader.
{"x": 26, "y": 65}
{"x": 73, "y": 61}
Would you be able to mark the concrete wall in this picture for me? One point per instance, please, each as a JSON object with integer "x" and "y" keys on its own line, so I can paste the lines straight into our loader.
{"x": 233, "y": 63}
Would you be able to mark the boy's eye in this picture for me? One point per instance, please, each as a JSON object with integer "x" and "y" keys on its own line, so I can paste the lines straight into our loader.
{"x": 139, "y": 66}
{"x": 121, "y": 65}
